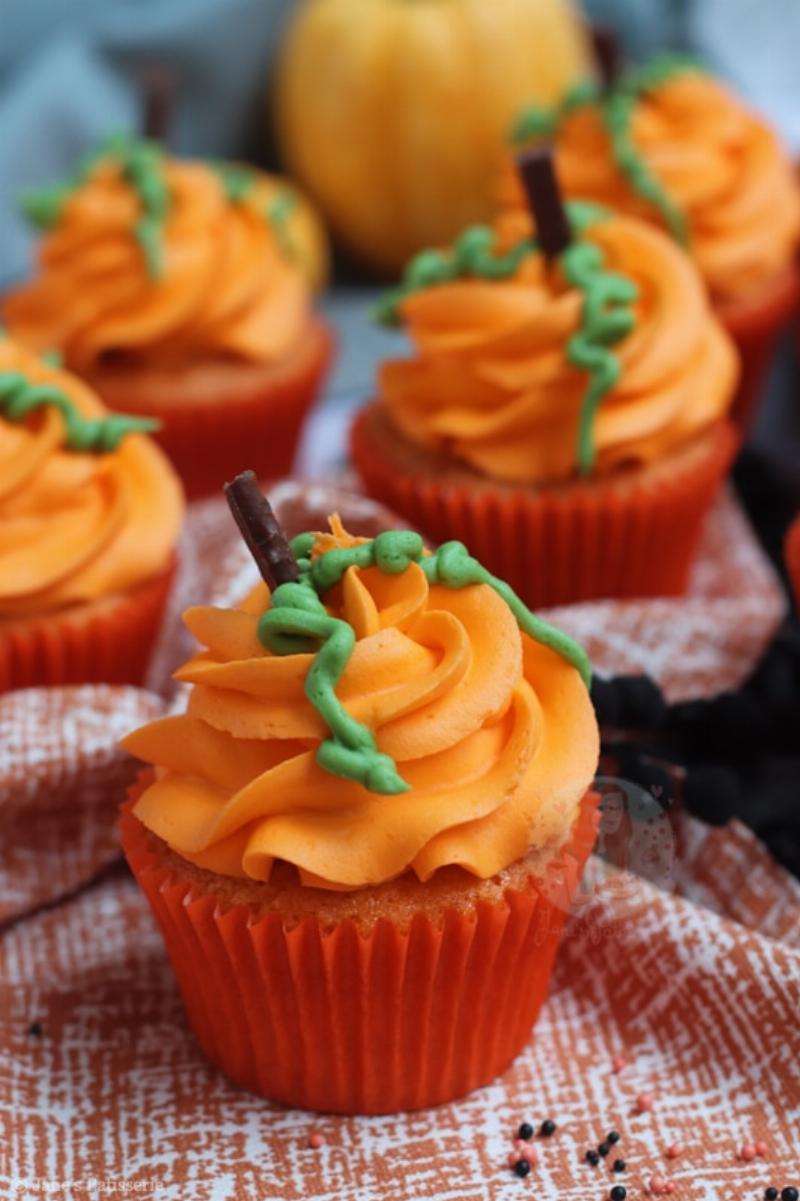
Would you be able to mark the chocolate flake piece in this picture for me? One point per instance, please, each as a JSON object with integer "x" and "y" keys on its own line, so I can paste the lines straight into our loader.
{"x": 608, "y": 55}
{"x": 538, "y": 174}
{"x": 157, "y": 86}
{"x": 259, "y": 527}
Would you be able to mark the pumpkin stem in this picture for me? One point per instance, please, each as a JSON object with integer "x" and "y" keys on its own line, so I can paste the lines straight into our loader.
{"x": 538, "y": 173}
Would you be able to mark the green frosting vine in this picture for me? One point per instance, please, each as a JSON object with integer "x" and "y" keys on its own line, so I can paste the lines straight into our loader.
{"x": 538, "y": 122}
{"x": 141, "y": 163}
{"x": 606, "y": 315}
{"x": 298, "y": 622}
{"x": 279, "y": 210}
{"x": 617, "y": 108}
{"x": 19, "y": 397}
{"x": 472, "y": 255}
{"x": 606, "y": 319}
{"x": 238, "y": 181}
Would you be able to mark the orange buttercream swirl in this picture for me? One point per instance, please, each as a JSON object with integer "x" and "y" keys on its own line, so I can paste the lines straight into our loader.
{"x": 494, "y": 734}
{"x": 716, "y": 162}
{"x": 226, "y": 284}
{"x": 76, "y": 526}
{"x": 492, "y": 383}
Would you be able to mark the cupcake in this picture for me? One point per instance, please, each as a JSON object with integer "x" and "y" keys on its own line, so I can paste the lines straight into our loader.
{"x": 565, "y": 417}
{"x": 671, "y": 144}
{"x": 90, "y": 512}
{"x": 362, "y": 837}
{"x": 173, "y": 288}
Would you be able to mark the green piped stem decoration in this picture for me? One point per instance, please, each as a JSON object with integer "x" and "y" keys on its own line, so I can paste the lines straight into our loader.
{"x": 298, "y": 622}
{"x": 606, "y": 319}
{"x": 19, "y": 397}
{"x": 278, "y": 212}
{"x": 142, "y": 165}
{"x": 617, "y": 105}
{"x": 238, "y": 182}
{"x": 606, "y": 315}
{"x": 471, "y": 256}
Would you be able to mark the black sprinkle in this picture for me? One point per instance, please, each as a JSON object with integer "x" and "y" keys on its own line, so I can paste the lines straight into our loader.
{"x": 618, "y": 1193}
{"x": 525, "y": 1131}
{"x": 612, "y": 1137}
{"x": 619, "y": 1165}
{"x": 789, "y": 1194}
{"x": 522, "y": 1167}
{"x": 547, "y": 1128}
{"x": 771, "y": 1194}
{"x": 603, "y": 1149}
{"x": 593, "y": 1158}
{"x": 35, "y": 1030}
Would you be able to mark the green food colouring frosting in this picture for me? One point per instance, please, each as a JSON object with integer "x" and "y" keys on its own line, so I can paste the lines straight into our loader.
{"x": 605, "y": 320}
{"x": 471, "y": 256}
{"x": 297, "y": 622}
{"x": 606, "y": 314}
{"x": 19, "y": 397}
{"x": 238, "y": 182}
{"x": 141, "y": 163}
{"x": 617, "y": 107}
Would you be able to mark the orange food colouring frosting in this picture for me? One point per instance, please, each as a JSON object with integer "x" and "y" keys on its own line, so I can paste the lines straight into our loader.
{"x": 154, "y": 260}
{"x": 673, "y": 145}
{"x": 88, "y": 507}
{"x": 535, "y": 373}
{"x": 460, "y": 731}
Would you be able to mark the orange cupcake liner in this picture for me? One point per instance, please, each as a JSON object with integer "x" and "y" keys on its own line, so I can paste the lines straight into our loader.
{"x": 343, "y": 1020}
{"x": 792, "y": 557}
{"x": 756, "y": 329}
{"x": 101, "y": 642}
{"x": 210, "y": 440}
{"x": 558, "y": 547}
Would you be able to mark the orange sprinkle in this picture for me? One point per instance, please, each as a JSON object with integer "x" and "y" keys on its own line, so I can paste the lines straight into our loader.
{"x": 619, "y": 1063}
{"x": 747, "y": 1152}
{"x": 316, "y": 1140}
{"x": 674, "y": 1150}
{"x": 644, "y": 1102}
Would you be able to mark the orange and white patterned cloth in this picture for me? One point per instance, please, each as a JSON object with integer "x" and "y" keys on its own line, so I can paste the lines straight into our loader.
{"x": 104, "y": 1092}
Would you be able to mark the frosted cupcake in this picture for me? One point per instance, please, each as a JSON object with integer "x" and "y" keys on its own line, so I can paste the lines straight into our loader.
{"x": 362, "y": 837}
{"x": 174, "y": 289}
{"x": 565, "y": 416}
{"x": 672, "y": 145}
{"x": 90, "y": 512}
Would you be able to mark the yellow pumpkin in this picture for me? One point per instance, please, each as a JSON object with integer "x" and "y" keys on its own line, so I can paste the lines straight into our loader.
{"x": 393, "y": 113}
{"x": 304, "y": 228}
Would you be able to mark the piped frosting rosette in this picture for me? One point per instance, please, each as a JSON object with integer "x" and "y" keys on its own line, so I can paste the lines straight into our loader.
{"x": 671, "y": 144}
{"x": 553, "y": 413}
{"x": 160, "y": 260}
{"x": 460, "y": 730}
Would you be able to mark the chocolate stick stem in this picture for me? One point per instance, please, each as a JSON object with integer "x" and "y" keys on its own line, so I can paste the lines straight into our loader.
{"x": 538, "y": 173}
{"x": 157, "y": 89}
{"x": 608, "y": 55}
{"x": 259, "y": 527}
